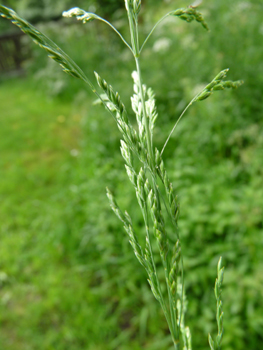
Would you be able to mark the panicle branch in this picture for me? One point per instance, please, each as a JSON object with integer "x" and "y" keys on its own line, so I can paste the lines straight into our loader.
{"x": 127, "y": 130}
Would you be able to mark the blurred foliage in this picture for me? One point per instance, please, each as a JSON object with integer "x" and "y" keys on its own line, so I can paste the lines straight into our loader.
{"x": 46, "y": 10}
{"x": 68, "y": 278}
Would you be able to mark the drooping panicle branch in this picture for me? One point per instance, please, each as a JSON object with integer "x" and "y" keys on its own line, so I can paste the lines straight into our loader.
{"x": 85, "y": 17}
{"x": 190, "y": 14}
{"x": 218, "y": 84}
{"x": 114, "y": 103}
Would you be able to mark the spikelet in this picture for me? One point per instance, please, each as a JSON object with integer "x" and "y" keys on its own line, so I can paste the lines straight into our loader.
{"x": 136, "y": 104}
{"x": 151, "y": 108}
{"x": 187, "y": 339}
{"x": 170, "y": 193}
{"x": 128, "y": 158}
{"x": 128, "y": 4}
{"x": 113, "y": 97}
{"x": 216, "y": 344}
{"x": 126, "y": 154}
{"x": 158, "y": 225}
{"x": 126, "y": 219}
{"x": 140, "y": 191}
{"x": 134, "y": 6}
{"x": 124, "y": 125}
{"x": 150, "y": 270}
{"x": 181, "y": 310}
{"x": 173, "y": 274}
{"x": 80, "y": 14}
{"x": 151, "y": 112}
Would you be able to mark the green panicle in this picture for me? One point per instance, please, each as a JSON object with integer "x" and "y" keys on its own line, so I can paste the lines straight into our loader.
{"x": 80, "y": 14}
{"x": 218, "y": 84}
{"x": 232, "y": 84}
{"x": 136, "y": 7}
{"x": 190, "y": 14}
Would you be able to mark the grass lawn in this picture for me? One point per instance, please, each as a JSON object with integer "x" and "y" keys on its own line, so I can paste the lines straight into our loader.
{"x": 42, "y": 290}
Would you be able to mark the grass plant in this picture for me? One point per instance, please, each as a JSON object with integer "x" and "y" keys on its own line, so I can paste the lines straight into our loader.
{"x": 145, "y": 167}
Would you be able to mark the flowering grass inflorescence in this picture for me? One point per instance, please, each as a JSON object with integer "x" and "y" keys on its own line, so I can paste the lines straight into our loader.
{"x": 139, "y": 142}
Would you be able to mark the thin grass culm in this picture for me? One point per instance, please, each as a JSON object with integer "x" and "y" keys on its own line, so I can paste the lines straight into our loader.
{"x": 157, "y": 204}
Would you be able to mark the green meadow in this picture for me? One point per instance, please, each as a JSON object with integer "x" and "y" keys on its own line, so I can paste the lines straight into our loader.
{"x": 68, "y": 276}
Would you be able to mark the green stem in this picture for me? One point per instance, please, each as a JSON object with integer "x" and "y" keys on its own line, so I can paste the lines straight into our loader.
{"x": 171, "y": 319}
{"x": 169, "y": 212}
{"x": 133, "y": 31}
{"x": 115, "y": 30}
{"x": 175, "y": 125}
{"x": 145, "y": 41}
{"x": 172, "y": 326}
{"x": 161, "y": 300}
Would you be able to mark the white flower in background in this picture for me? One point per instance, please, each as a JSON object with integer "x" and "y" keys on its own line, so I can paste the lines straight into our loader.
{"x": 161, "y": 44}
{"x": 189, "y": 41}
{"x": 74, "y": 152}
{"x": 244, "y": 5}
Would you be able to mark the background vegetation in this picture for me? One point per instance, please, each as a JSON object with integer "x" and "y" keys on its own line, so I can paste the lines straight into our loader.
{"x": 68, "y": 278}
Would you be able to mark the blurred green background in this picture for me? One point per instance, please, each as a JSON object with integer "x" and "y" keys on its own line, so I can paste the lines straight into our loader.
{"x": 68, "y": 277}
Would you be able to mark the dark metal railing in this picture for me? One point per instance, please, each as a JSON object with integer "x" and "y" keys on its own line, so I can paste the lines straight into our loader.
{"x": 11, "y": 55}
